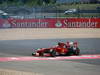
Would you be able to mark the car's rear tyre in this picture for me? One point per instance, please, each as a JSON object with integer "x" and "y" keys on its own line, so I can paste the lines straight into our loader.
{"x": 77, "y": 52}
{"x": 70, "y": 54}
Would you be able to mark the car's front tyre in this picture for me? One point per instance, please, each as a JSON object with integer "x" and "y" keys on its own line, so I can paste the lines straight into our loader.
{"x": 41, "y": 54}
{"x": 53, "y": 53}
{"x": 33, "y": 54}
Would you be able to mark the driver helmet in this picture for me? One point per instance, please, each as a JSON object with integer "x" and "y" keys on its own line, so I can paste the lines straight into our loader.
{"x": 71, "y": 43}
{"x": 59, "y": 43}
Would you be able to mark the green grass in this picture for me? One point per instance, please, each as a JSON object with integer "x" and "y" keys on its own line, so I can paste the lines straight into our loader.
{"x": 81, "y": 15}
{"x": 90, "y": 15}
{"x": 80, "y": 6}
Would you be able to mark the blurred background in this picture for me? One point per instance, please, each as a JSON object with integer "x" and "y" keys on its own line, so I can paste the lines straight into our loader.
{"x": 26, "y": 9}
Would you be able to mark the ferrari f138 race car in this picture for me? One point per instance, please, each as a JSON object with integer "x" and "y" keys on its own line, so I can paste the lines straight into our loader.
{"x": 67, "y": 49}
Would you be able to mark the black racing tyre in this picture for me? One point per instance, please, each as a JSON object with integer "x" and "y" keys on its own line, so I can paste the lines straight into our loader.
{"x": 53, "y": 53}
{"x": 33, "y": 54}
{"x": 71, "y": 53}
{"x": 77, "y": 52}
{"x": 41, "y": 54}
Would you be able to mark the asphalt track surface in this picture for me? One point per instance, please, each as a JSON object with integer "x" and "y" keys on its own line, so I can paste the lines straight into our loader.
{"x": 23, "y": 48}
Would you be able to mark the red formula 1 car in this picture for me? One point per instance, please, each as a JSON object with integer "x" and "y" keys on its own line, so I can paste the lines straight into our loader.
{"x": 69, "y": 48}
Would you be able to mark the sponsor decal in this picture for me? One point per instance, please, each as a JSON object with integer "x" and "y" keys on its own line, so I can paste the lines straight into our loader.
{"x": 29, "y": 24}
{"x": 76, "y": 24}
{"x": 51, "y": 23}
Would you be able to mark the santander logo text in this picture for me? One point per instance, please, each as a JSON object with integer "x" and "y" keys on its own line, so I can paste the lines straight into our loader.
{"x": 77, "y": 24}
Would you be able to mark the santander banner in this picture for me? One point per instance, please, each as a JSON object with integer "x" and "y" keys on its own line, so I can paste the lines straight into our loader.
{"x": 51, "y": 23}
